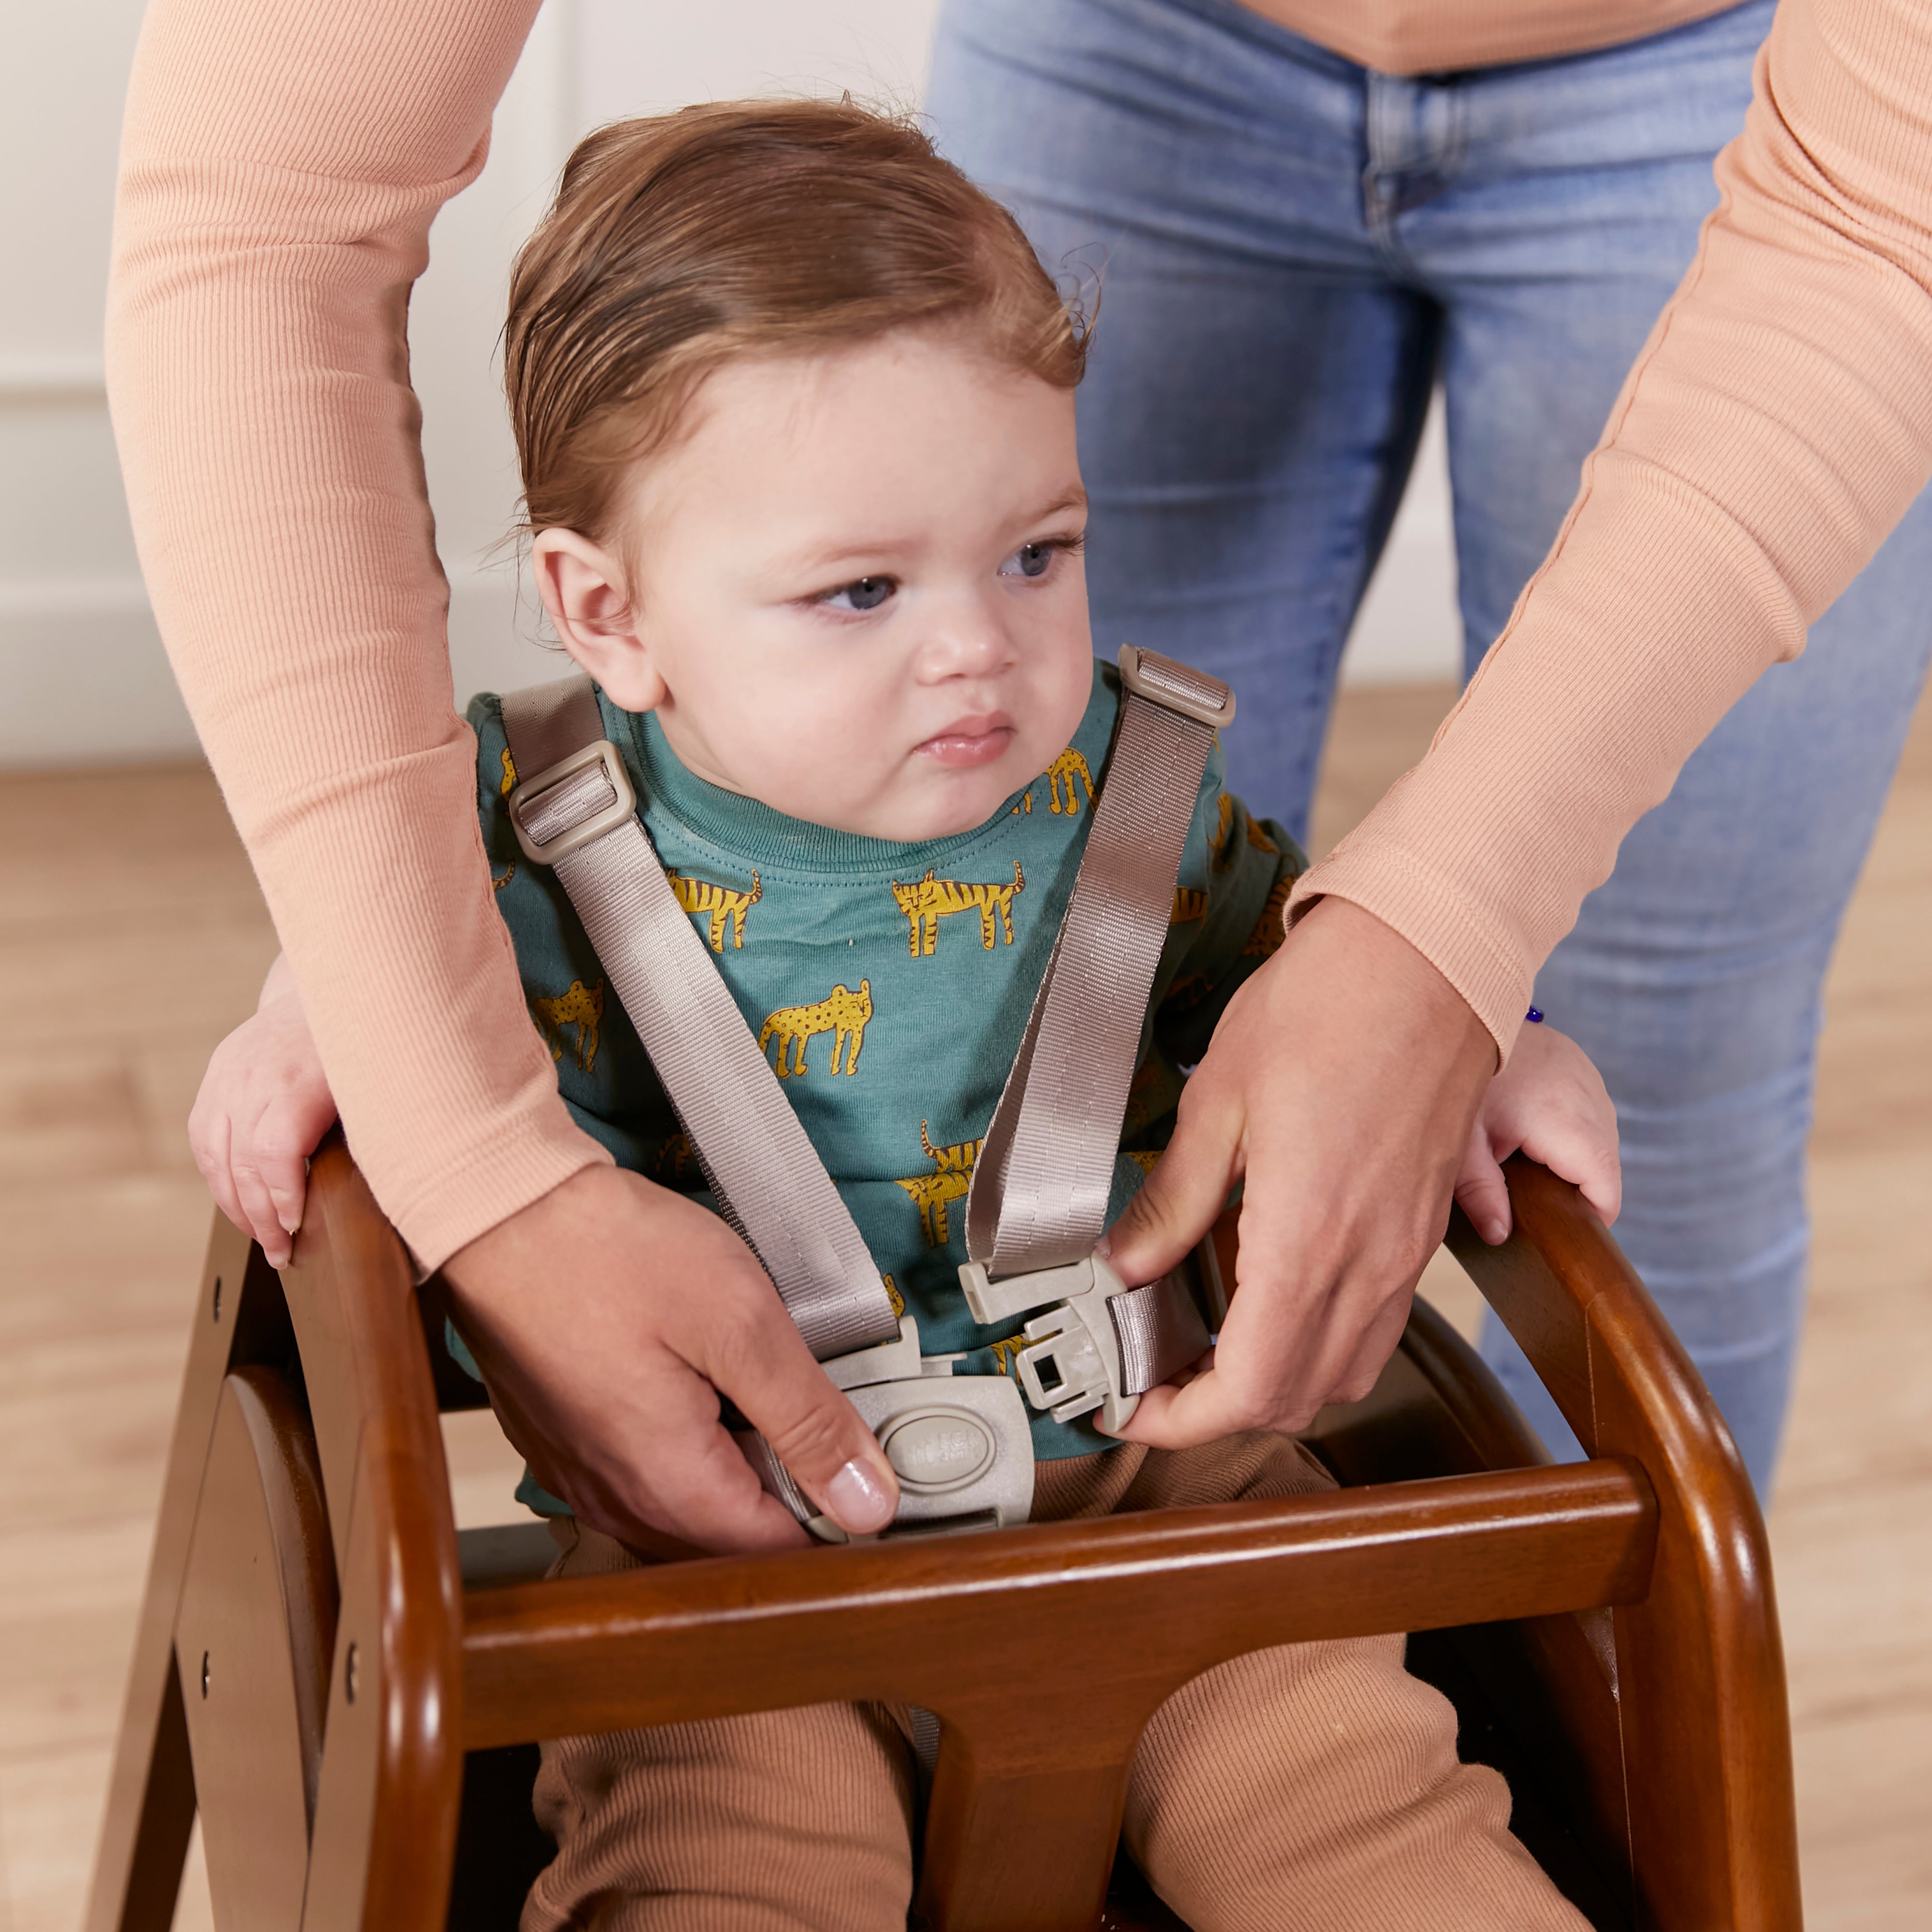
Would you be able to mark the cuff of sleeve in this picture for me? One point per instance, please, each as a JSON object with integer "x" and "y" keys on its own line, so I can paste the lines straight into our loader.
{"x": 1433, "y": 916}
{"x": 484, "y": 1185}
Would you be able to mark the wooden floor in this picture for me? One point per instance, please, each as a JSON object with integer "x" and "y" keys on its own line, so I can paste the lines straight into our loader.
{"x": 131, "y": 937}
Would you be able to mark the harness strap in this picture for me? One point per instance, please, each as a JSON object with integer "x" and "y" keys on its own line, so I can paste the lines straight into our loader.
{"x": 1040, "y": 1186}
{"x": 574, "y": 809}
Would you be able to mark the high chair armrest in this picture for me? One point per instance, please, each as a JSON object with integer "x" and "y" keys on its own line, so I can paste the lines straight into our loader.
{"x": 1706, "y": 1636}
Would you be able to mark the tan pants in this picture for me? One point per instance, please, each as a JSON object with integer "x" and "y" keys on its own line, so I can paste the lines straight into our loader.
{"x": 1315, "y": 1786}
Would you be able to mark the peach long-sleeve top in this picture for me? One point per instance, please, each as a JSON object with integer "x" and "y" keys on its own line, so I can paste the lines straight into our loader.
{"x": 283, "y": 161}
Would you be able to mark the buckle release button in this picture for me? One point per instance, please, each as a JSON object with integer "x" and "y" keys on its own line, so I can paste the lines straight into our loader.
{"x": 936, "y": 1449}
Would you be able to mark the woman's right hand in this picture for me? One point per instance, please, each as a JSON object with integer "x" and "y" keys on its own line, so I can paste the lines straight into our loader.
{"x": 263, "y": 1107}
{"x": 606, "y": 1318}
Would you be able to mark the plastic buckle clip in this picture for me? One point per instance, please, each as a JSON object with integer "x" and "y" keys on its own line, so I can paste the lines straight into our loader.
{"x": 1076, "y": 1338}
{"x": 960, "y": 1445}
{"x": 561, "y": 808}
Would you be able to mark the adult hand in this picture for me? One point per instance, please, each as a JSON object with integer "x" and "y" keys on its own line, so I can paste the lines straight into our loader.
{"x": 1341, "y": 1082}
{"x": 606, "y": 1318}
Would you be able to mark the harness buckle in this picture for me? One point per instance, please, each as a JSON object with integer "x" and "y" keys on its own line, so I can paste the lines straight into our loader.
{"x": 960, "y": 1445}
{"x": 1076, "y": 1338}
{"x": 1104, "y": 1344}
{"x": 557, "y": 811}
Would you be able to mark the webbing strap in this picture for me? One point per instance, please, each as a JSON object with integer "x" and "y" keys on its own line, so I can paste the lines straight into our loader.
{"x": 1039, "y": 1196}
{"x": 767, "y": 1176}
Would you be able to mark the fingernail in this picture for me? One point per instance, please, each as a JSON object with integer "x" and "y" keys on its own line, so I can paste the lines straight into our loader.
{"x": 292, "y": 1228}
{"x": 1104, "y": 1247}
{"x": 1493, "y": 1231}
{"x": 858, "y": 1499}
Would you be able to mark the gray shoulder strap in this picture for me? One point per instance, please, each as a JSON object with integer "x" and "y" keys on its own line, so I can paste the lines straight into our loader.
{"x": 573, "y": 808}
{"x": 1039, "y": 1196}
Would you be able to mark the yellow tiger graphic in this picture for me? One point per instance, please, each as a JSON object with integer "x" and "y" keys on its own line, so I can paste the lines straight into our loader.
{"x": 675, "y": 1161}
{"x": 1006, "y": 1351}
{"x": 932, "y": 1193}
{"x": 582, "y": 1010}
{"x": 1188, "y": 904}
{"x": 1265, "y": 941}
{"x": 700, "y": 897}
{"x": 842, "y": 1013}
{"x": 1067, "y": 770}
{"x": 928, "y": 900}
{"x": 1220, "y": 845}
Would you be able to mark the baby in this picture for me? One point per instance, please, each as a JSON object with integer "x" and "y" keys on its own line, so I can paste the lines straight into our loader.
{"x": 794, "y": 405}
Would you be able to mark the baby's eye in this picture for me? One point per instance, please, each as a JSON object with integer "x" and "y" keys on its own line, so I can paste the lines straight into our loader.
{"x": 866, "y": 593}
{"x": 1029, "y": 560}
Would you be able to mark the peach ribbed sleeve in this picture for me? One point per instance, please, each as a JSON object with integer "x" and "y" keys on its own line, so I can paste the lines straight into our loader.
{"x": 282, "y": 162}
{"x": 1776, "y": 427}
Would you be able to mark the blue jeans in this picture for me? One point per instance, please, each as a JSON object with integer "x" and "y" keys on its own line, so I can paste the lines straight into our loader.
{"x": 1295, "y": 249}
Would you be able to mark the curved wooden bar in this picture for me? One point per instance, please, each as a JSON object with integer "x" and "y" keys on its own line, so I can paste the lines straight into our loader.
{"x": 392, "y": 1779}
{"x": 1698, "y": 1665}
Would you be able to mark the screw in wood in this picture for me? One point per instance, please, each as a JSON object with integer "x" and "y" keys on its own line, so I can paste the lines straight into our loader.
{"x": 217, "y": 1297}
{"x": 204, "y": 1673}
{"x": 351, "y": 1674}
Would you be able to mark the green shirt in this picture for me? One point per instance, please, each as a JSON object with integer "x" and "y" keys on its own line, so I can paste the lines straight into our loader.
{"x": 889, "y": 983}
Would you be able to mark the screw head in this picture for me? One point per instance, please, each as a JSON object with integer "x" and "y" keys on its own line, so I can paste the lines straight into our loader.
{"x": 217, "y": 1297}
{"x": 204, "y": 1673}
{"x": 352, "y": 1674}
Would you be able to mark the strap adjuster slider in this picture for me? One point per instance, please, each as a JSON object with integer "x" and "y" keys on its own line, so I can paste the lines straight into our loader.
{"x": 561, "y": 808}
{"x": 1178, "y": 688}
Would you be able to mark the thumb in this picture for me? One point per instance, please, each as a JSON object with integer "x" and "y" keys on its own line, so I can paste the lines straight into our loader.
{"x": 814, "y": 1431}
{"x": 1180, "y": 1200}
{"x": 1481, "y": 1192}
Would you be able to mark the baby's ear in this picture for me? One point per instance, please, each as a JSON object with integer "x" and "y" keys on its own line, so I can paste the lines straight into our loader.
{"x": 582, "y": 586}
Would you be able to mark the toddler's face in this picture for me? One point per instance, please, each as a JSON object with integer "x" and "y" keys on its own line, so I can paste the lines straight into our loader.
{"x": 854, "y": 590}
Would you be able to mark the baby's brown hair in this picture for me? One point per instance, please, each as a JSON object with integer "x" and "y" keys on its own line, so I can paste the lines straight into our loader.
{"x": 760, "y": 227}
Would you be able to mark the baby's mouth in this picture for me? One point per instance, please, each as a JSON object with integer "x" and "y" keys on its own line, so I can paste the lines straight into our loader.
{"x": 971, "y": 741}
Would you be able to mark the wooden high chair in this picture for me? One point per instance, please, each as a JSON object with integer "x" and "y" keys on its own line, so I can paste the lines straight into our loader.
{"x": 348, "y": 1689}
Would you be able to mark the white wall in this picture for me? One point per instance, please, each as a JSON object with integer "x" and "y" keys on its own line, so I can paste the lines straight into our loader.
{"x": 80, "y": 663}
{"x": 81, "y": 673}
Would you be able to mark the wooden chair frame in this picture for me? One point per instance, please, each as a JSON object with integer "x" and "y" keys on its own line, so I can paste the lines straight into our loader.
{"x": 306, "y": 1562}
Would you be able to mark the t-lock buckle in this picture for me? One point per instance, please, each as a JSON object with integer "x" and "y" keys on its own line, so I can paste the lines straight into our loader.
{"x": 1075, "y": 1339}
{"x": 1100, "y": 1344}
{"x": 960, "y": 1445}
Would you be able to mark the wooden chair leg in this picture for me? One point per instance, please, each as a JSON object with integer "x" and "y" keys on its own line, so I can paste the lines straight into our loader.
{"x": 151, "y": 1802}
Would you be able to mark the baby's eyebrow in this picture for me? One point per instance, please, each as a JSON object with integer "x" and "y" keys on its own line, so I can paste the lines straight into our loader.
{"x": 1075, "y": 498}
{"x": 875, "y": 550}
